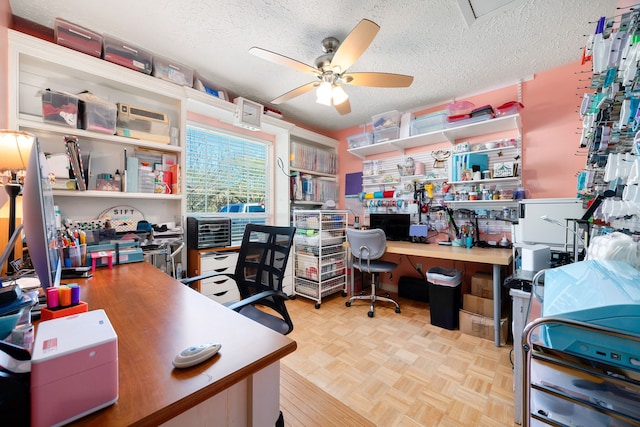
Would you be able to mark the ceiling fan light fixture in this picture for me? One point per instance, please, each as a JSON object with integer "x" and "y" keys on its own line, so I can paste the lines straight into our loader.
{"x": 324, "y": 94}
{"x": 339, "y": 95}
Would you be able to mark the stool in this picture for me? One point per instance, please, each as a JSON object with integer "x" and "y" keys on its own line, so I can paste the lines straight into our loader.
{"x": 101, "y": 254}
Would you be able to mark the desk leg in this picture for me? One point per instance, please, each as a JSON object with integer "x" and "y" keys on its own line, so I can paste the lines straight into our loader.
{"x": 497, "y": 298}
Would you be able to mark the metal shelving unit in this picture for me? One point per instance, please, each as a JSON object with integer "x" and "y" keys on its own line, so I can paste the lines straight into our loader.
{"x": 320, "y": 261}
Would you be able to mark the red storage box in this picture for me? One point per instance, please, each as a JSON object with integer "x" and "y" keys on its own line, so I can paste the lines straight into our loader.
{"x": 78, "y": 38}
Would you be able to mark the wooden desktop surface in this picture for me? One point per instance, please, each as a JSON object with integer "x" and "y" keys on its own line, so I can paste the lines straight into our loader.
{"x": 155, "y": 317}
{"x": 494, "y": 256}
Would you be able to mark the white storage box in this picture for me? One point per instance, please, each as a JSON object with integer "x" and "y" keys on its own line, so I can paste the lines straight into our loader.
{"x": 535, "y": 257}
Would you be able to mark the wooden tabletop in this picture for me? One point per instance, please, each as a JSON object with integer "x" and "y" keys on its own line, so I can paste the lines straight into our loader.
{"x": 155, "y": 317}
{"x": 496, "y": 256}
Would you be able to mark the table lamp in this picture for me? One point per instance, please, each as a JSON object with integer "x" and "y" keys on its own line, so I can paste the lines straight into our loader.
{"x": 15, "y": 147}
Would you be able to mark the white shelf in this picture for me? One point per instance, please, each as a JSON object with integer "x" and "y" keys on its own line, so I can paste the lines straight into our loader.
{"x": 311, "y": 172}
{"x": 481, "y": 204}
{"x": 35, "y": 123}
{"x": 499, "y": 124}
{"x": 115, "y": 195}
{"x": 486, "y": 181}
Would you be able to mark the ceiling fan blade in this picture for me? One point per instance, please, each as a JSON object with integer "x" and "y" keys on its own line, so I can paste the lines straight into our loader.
{"x": 354, "y": 45}
{"x": 377, "y": 79}
{"x": 295, "y": 92}
{"x": 283, "y": 60}
{"x": 344, "y": 107}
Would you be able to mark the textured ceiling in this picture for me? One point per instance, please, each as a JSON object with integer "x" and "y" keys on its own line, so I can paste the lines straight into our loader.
{"x": 428, "y": 39}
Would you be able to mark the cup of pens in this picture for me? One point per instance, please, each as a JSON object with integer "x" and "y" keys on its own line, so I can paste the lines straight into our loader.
{"x": 73, "y": 255}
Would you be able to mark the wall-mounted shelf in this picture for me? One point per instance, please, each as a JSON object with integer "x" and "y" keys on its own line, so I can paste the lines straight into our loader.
{"x": 499, "y": 124}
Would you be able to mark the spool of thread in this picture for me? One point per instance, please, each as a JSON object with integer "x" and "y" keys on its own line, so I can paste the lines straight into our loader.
{"x": 64, "y": 295}
{"x": 387, "y": 194}
{"x": 52, "y": 298}
{"x": 377, "y": 194}
{"x": 75, "y": 293}
{"x": 368, "y": 195}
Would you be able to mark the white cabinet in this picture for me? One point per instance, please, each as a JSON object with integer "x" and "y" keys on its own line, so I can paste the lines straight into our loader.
{"x": 35, "y": 65}
{"x": 222, "y": 289}
{"x": 320, "y": 254}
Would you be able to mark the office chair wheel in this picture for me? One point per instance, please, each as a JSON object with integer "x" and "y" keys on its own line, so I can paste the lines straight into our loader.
{"x": 348, "y": 303}
{"x": 370, "y": 313}
{"x": 397, "y": 309}
{"x": 317, "y": 305}
{"x": 292, "y": 297}
{"x": 344, "y": 294}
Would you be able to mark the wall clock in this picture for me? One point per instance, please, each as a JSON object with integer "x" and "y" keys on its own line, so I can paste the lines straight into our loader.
{"x": 248, "y": 114}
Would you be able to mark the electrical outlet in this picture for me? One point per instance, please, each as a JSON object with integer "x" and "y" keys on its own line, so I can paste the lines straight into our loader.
{"x": 419, "y": 267}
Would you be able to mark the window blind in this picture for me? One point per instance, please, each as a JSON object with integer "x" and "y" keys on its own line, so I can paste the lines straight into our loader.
{"x": 226, "y": 173}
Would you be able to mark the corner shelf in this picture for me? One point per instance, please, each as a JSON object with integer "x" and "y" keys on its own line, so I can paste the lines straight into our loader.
{"x": 499, "y": 124}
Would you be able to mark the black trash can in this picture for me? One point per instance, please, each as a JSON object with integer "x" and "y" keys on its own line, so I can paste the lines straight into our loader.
{"x": 444, "y": 296}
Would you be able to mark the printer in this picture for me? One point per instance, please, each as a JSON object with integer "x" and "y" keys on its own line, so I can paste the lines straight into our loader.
{"x": 74, "y": 368}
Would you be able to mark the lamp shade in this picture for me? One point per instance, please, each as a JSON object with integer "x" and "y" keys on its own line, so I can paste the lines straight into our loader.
{"x": 15, "y": 147}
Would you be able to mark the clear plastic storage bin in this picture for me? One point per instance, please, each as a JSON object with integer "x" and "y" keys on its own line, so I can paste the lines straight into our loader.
{"x": 386, "y": 120}
{"x": 78, "y": 38}
{"x": 360, "y": 140}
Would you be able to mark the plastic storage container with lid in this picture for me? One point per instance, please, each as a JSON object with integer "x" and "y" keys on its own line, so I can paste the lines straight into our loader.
{"x": 360, "y": 140}
{"x": 126, "y": 54}
{"x": 78, "y": 38}
{"x": 390, "y": 119}
{"x": 444, "y": 296}
{"x": 172, "y": 71}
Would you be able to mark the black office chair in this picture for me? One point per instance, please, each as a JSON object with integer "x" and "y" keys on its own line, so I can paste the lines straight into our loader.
{"x": 368, "y": 246}
{"x": 262, "y": 261}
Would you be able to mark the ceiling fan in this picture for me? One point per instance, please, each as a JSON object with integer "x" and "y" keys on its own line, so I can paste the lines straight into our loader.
{"x": 331, "y": 68}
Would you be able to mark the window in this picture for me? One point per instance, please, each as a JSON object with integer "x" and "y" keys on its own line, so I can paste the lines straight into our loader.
{"x": 227, "y": 175}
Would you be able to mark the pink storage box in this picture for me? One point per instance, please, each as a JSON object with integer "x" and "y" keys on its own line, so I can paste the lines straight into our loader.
{"x": 74, "y": 368}
{"x": 78, "y": 38}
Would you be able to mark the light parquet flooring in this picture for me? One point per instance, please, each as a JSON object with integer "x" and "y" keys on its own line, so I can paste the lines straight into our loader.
{"x": 393, "y": 369}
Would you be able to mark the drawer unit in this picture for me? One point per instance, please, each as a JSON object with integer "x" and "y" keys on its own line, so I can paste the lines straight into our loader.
{"x": 221, "y": 289}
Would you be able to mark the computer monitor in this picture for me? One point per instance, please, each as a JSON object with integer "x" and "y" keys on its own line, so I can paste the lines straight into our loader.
{"x": 395, "y": 226}
{"x": 39, "y": 218}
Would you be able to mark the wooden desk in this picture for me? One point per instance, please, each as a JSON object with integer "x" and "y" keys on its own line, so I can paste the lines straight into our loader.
{"x": 155, "y": 317}
{"x": 494, "y": 256}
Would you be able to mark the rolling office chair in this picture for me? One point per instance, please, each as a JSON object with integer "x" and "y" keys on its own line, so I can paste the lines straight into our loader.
{"x": 261, "y": 265}
{"x": 368, "y": 246}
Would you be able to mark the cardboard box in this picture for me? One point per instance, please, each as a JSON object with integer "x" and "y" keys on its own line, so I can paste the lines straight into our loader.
{"x": 482, "y": 285}
{"x": 482, "y": 326}
{"x": 478, "y": 305}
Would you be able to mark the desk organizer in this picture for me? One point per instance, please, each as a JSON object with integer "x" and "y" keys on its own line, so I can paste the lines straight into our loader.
{"x": 56, "y": 313}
